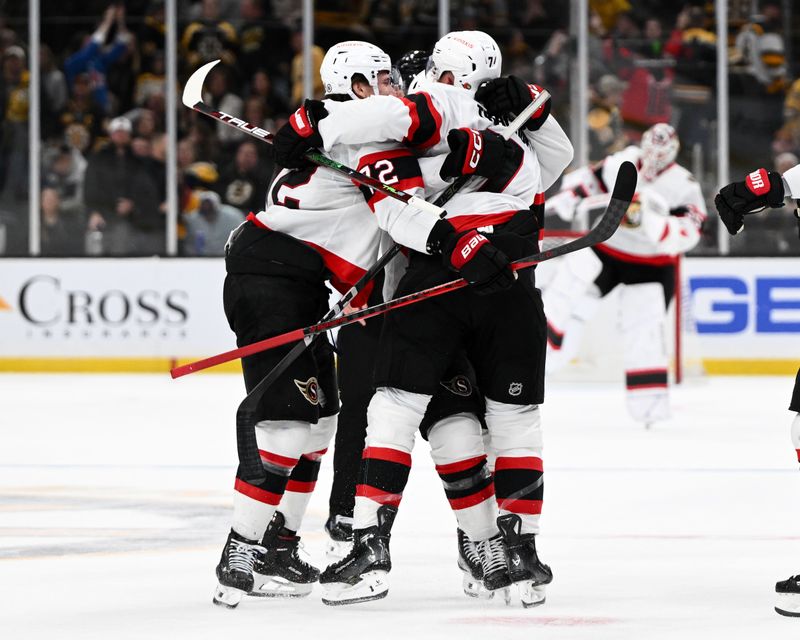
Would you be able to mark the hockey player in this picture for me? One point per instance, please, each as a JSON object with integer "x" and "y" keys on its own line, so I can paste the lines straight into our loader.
{"x": 503, "y": 333}
{"x": 761, "y": 189}
{"x": 316, "y": 227}
{"x": 664, "y": 221}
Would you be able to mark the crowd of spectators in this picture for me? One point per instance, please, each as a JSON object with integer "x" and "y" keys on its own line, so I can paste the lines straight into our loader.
{"x": 103, "y": 87}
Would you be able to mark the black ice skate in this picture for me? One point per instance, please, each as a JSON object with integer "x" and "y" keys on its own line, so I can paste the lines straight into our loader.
{"x": 340, "y": 537}
{"x": 361, "y": 576}
{"x": 788, "y": 597}
{"x": 279, "y": 571}
{"x": 235, "y": 570}
{"x": 470, "y": 561}
{"x": 493, "y": 559}
{"x": 524, "y": 567}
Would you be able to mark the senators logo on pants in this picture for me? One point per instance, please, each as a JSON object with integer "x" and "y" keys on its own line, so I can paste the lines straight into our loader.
{"x": 459, "y": 386}
{"x": 309, "y": 389}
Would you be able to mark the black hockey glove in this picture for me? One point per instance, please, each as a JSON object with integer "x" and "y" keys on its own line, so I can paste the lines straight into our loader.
{"x": 299, "y": 135}
{"x": 483, "y": 153}
{"x": 504, "y": 96}
{"x": 473, "y": 257}
{"x": 759, "y": 189}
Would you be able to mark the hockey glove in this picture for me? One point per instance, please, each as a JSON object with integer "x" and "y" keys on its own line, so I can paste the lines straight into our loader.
{"x": 484, "y": 153}
{"x": 504, "y": 96}
{"x": 298, "y": 135}
{"x": 480, "y": 263}
{"x": 760, "y": 189}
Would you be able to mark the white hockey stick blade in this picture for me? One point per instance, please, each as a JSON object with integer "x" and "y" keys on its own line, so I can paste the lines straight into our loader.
{"x": 193, "y": 91}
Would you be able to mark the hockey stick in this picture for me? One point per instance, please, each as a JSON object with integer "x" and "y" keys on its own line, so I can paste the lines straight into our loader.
{"x": 193, "y": 98}
{"x": 621, "y": 197}
{"x": 382, "y": 261}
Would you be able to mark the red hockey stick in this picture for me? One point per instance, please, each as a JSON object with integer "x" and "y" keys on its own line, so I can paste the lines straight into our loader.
{"x": 621, "y": 197}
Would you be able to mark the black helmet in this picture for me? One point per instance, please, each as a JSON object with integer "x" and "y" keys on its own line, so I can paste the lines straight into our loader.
{"x": 410, "y": 64}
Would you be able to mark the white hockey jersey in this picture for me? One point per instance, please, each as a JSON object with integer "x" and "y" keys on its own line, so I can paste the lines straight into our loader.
{"x": 664, "y": 220}
{"x": 343, "y": 222}
{"x": 423, "y": 120}
{"x": 791, "y": 182}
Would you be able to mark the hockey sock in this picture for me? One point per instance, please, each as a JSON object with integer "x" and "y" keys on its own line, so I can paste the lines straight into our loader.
{"x": 298, "y": 490}
{"x": 457, "y": 450}
{"x": 394, "y": 418}
{"x": 280, "y": 444}
{"x": 518, "y": 472}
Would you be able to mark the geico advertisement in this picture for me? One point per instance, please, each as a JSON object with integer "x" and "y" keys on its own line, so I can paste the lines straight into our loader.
{"x": 124, "y": 307}
{"x": 744, "y": 307}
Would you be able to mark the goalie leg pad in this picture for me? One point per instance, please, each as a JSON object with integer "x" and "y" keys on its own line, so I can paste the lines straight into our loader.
{"x": 516, "y": 433}
{"x": 643, "y": 316}
{"x": 280, "y": 445}
{"x": 393, "y": 419}
{"x": 457, "y": 450}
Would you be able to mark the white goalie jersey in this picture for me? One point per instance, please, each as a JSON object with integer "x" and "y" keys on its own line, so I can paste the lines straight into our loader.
{"x": 664, "y": 220}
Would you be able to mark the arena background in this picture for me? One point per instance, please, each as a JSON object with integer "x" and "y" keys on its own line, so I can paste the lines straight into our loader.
{"x": 724, "y": 73}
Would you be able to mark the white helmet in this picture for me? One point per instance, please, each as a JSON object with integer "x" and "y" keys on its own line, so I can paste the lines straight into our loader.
{"x": 660, "y": 147}
{"x": 472, "y": 56}
{"x": 345, "y": 59}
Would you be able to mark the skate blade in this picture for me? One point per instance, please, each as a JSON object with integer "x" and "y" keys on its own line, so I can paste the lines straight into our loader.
{"x": 227, "y": 597}
{"x": 788, "y": 605}
{"x": 373, "y": 585}
{"x": 531, "y": 594}
{"x": 474, "y": 588}
{"x": 277, "y": 587}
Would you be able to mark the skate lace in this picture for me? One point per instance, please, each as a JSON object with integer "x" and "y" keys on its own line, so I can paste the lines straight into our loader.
{"x": 470, "y": 551}
{"x": 493, "y": 556}
{"x": 242, "y": 556}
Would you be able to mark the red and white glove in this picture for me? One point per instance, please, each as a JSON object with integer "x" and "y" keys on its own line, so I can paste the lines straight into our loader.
{"x": 298, "y": 135}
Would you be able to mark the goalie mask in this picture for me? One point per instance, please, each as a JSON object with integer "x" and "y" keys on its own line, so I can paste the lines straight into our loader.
{"x": 472, "y": 57}
{"x": 660, "y": 147}
{"x": 345, "y": 59}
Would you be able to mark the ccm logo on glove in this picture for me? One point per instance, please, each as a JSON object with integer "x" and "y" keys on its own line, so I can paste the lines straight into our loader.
{"x": 474, "y": 157}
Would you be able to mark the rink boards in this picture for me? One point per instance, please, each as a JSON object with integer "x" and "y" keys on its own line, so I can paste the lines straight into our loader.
{"x": 742, "y": 315}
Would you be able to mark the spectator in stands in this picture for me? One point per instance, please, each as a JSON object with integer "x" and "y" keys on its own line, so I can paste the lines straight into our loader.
{"x": 254, "y": 51}
{"x": 209, "y": 38}
{"x": 96, "y": 57}
{"x": 222, "y": 99}
{"x": 517, "y": 56}
{"x": 61, "y": 233}
{"x": 606, "y": 135}
{"x": 151, "y": 37}
{"x": 14, "y": 126}
{"x": 317, "y": 54}
{"x": 81, "y": 120}
{"x": 243, "y": 183}
{"x": 152, "y": 82}
{"x": 787, "y": 139}
{"x": 609, "y": 11}
{"x": 54, "y": 92}
{"x": 760, "y": 48}
{"x": 64, "y": 171}
{"x": 146, "y": 125}
{"x": 122, "y": 198}
{"x": 262, "y": 88}
{"x": 208, "y": 228}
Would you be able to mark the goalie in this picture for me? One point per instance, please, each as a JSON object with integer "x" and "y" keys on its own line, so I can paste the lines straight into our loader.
{"x": 663, "y": 222}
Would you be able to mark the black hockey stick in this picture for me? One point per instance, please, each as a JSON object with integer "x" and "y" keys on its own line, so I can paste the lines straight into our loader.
{"x": 621, "y": 197}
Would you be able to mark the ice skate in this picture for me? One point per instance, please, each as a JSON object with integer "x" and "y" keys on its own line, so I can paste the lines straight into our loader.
{"x": 235, "y": 570}
{"x": 524, "y": 567}
{"x": 362, "y": 575}
{"x": 279, "y": 571}
{"x": 340, "y": 537}
{"x": 493, "y": 559}
{"x": 788, "y": 597}
{"x": 469, "y": 561}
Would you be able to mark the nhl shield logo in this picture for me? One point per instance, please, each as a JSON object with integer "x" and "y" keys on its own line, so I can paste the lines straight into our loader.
{"x": 309, "y": 389}
{"x": 460, "y": 386}
{"x": 514, "y": 389}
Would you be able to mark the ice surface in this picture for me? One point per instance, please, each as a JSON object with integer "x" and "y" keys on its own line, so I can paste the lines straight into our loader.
{"x": 115, "y": 496}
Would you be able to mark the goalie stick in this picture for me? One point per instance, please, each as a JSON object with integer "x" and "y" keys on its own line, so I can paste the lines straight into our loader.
{"x": 621, "y": 197}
